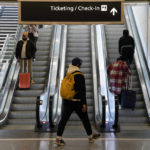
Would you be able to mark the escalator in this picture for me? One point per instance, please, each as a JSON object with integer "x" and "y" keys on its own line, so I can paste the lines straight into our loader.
{"x": 79, "y": 45}
{"x": 22, "y": 113}
{"x": 9, "y": 17}
{"x": 128, "y": 119}
{"x": 8, "y": 22}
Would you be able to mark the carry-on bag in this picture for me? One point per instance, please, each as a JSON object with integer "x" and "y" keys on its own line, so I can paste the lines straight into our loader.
{"x": 24, "y": 79}
{"x": 128, "y": 98}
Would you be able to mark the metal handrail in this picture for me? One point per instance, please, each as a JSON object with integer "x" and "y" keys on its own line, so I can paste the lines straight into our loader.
{"x": 52, "y": 78}
{"x": 7, "y": 62}
{"x": 96, "y": 82}
{"x": 8, "y": 94}
{"x": 109, "y": 96}
{"x": 57, "y": 100}
{"x": 5, "y": 47}
{"x": 2, "y": 53}
{"x": 11, "y": 77}
{"x": 139, "y": 58}
{"x": 8, "y": 36}
{"x": 16, "y": 37}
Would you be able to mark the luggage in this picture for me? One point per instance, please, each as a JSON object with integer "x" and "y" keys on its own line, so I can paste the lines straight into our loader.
{"x": 128, "y": 98}
{"x": 24, "y": 80}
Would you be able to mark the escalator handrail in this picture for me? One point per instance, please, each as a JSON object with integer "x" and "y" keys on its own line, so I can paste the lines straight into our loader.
{"x": 9, "y": 85}
{"x": 9, "y": 61}
{"x": 110, "y": 98}
{"x": 2, "y": 53}
{"x": 54, "y": 62}
{"x": 139, "y": 57}
{"x": 96, "y": 85}
{"x": 9, "y": 92}
{"x": 52, "y": 75}
{"x": 57, "y": 100}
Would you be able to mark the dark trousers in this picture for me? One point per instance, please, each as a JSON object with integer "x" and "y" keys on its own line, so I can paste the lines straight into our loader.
{"x": 127, "y": 54}
{"x": 68, "y": 108}
{"x": 119, "y": 99}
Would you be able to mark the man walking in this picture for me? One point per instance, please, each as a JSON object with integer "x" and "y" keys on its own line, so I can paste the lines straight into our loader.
{"x": 126, "y": 47}
{"x": 118, "y": 73}
{"x": 25, "y": 53}
{"x": 77, "y": 104}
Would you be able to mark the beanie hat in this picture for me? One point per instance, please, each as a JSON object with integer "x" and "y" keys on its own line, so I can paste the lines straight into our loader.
{"x": 76, "y": 61}
{"x": 125, "y": 32}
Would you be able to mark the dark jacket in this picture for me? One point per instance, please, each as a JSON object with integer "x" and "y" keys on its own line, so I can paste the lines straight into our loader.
{"x": 128, "y": 41}
{"x": 30, "y": 49}
{"x": 79, "y": 85}
{"x": 80, "y": 88}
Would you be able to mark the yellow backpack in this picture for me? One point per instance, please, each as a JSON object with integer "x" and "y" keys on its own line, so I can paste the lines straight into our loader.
{"x": 67, "y": 86}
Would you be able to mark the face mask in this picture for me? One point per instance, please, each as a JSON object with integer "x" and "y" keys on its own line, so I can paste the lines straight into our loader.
{"x": 24, "y": 38}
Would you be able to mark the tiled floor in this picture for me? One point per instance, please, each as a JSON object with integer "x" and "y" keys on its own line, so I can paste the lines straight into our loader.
{"x": 75, "y": 144}
{"x": 75, "y": 139}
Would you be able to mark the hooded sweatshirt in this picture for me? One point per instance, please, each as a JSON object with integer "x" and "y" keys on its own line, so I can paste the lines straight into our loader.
{"x": 79, "y": 85}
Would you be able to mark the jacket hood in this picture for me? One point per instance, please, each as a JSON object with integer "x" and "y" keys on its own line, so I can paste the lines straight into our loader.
{"x": 72, "y": 69}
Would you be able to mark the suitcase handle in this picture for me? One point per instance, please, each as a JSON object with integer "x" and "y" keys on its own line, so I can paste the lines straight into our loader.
{"x": 129, "y": 82}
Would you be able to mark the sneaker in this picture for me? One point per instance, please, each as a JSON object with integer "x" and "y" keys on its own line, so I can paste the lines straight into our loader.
{"x": 94, "y": 137}
{"x": 59, "y": 142}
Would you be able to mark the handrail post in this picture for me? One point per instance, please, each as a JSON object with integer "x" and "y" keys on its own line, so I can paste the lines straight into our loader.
{"x": 51, "y": 125}
{"x": 38, "y": 103}
{"x": 104, "y": 102}
{"x": 116, "y": 125}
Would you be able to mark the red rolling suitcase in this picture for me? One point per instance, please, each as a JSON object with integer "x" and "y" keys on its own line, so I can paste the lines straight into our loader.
{"x": 24, "y": 80}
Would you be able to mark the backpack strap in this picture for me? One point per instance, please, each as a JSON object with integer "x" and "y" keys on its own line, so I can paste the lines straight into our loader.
{"x": 77, "y": 72}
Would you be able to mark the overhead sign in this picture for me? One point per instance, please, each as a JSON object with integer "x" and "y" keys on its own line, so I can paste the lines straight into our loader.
{"x": 71, "y": 11}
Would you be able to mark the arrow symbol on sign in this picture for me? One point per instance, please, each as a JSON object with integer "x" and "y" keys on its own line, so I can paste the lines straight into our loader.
{"x": 113, "y": 11}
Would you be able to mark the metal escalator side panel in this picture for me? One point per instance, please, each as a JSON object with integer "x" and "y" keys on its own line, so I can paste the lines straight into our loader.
{"x": 57, "y": 100}
{"x": 9, "y": 92}
{"x": 96, "y": 78}
{"x": 139, "y": 58}
{"x": 50, "y": 89}
{"x": 22, "y": 114}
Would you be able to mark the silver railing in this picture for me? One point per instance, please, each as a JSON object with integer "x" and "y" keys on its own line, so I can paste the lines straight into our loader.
{"x": 5, "y": 63}
{"x": 109, "y": 96}
{"x": 96, "y": 77}
{"x": 4, "y": 48}
{"x": 10, "y": 41}
{"x": 10, "y": 81}
{"x": 52, "y": 78}
{"x": 140, "y": 62}
{"x": 57, "y": 100}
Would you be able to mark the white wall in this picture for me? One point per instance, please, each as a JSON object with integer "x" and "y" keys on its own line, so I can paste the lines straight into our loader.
{"x": 142, "y": 18}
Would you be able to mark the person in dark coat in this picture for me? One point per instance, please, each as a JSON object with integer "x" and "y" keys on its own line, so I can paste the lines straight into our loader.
{"x": 25, "y": 53}
{"x": 77, "y": 104}
{"x": 126, "y": 47}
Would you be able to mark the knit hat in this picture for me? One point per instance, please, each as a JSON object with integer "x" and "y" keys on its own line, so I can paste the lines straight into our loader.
{"x": 125, "y": 32}
{"x": 25, "y": 34}
{"x": 76, "y": 61}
